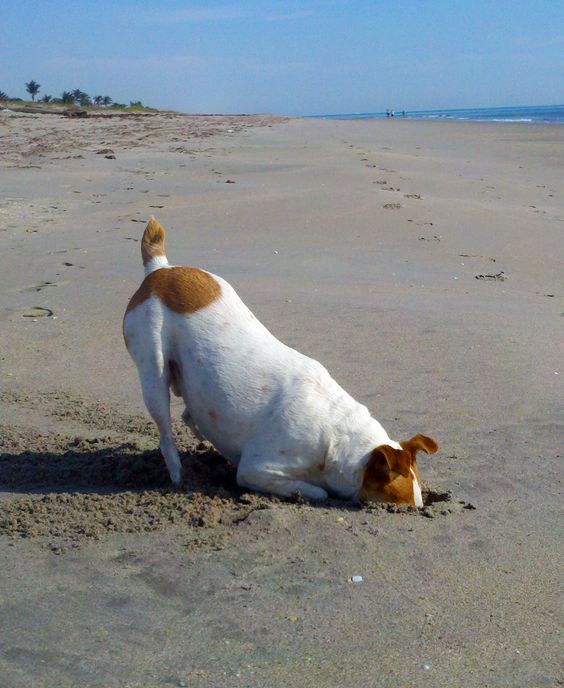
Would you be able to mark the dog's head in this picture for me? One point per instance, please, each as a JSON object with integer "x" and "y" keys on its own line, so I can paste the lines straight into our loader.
{"x": 391, "y": 475}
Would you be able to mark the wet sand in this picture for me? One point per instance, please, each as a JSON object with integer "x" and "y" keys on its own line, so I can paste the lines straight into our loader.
{"x": 421, "y": 263}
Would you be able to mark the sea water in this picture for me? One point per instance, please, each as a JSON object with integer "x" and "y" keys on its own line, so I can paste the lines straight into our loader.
{"x": 531, "y": 114}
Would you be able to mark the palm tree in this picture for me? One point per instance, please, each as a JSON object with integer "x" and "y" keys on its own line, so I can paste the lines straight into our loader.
{"x": 46, "y": 99}
{"x": 67, "y": 98}
{"x": 98, "y": 100}
{"x": 107, "y": 101}
{"x": 3, "y": 96}
{"x": 32, "y": 87}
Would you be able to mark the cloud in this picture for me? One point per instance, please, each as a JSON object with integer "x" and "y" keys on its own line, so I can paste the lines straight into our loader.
{"x": 220, "y": 13}
{"x": 291, "y": 16}
{"x": 203, "y": 14}
{"x": 127, "y": 63}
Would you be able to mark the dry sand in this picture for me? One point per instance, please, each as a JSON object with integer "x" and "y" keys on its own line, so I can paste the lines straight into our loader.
{"x": 421, "y": 263}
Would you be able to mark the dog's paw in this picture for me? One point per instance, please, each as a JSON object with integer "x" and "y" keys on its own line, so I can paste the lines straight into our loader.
{"x": 312, "y": 492}
{"x": 176, "y": 478}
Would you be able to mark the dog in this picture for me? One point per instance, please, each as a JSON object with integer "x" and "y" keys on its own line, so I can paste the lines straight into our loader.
{"x": 273, "y": 412}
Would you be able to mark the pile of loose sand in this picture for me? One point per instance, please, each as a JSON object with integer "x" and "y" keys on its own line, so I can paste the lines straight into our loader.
{"x": 79, "y": 489}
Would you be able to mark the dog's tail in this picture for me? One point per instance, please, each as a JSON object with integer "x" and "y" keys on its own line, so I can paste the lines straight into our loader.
{"x": 153, "y": 247}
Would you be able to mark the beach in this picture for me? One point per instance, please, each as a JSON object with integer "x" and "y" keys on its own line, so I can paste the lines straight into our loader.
{"x": 421, "y": 263}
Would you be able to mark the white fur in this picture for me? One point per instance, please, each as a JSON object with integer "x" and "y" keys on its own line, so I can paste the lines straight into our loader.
{"x": 417, "y": 496}
{"x": 155, "y": 263}
{"x": 275, "y": 413}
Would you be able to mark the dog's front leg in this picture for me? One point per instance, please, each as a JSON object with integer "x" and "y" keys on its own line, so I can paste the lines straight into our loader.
{"x": 266, "y": 475}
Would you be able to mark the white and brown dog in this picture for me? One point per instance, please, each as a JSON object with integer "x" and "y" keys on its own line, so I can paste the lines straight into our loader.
{"x": 275, "y": 413}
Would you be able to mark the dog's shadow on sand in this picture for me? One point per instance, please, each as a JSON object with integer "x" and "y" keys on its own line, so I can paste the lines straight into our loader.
{"x": 126, "y": 468}
{"x": 87, "y": 489}
{"x": 96, "y": 467}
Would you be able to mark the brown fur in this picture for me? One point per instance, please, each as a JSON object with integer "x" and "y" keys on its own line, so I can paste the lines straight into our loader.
{"x": 183, "y": 290}
{"x": 153, "y": 241}
{"x": 420, "y": 443}
{"x": 387, "y": 476}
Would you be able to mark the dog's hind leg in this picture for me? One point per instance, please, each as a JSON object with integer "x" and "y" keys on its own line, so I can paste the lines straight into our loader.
{"x": 175, "y": 383}
{"x": 156, "y": 395}
{"x": 187, "y": 418}
{"x": 174, "y": 378}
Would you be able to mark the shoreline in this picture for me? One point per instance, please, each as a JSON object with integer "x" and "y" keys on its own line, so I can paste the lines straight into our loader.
{"x": 436, "y": 120}
{"x": 531, "y": 114}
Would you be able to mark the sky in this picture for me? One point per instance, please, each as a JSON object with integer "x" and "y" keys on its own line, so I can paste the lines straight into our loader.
{"x": 288, "y": 57}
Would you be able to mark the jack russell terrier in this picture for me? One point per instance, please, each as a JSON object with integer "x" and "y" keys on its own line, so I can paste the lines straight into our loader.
{"x": 275, "y": 413}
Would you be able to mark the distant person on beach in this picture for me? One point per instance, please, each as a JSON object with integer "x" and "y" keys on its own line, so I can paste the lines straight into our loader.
{"x": 403, "y": 113}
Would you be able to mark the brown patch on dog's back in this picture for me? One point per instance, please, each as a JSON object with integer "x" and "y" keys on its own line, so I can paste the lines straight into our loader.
{"x": 183, "y": 290}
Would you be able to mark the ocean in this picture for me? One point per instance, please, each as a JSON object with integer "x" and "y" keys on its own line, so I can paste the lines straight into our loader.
{"x": 532, "y": 114}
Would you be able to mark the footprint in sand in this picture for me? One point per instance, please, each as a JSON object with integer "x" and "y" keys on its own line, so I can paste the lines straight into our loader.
{"x": 38, "y": 312}
{"x": 499, "y": 277}
{"x": 415, "y": 196}
{"x": 38, "y": 287}
{"x": 392, "y": 206}
{"x": 473, "y": 255}
{"x": 66, "y": 264}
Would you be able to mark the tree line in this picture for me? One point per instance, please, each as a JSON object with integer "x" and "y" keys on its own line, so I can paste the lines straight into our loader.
{"x": 74, "y": 97}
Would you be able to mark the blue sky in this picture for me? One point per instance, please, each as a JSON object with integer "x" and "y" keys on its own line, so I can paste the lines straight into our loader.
{"x": 291, "y": 57}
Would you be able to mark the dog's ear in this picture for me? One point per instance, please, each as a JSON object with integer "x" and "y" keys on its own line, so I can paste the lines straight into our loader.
{"x": 420, "y": 443}
{"x": 387, "y": 460}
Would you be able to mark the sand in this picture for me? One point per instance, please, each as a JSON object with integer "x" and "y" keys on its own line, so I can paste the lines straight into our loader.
{"x": 421, "y": 263}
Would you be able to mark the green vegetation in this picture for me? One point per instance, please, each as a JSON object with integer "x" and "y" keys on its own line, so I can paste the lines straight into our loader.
{"x": 32, "y": 87}
{"x": 75, "y": 98}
